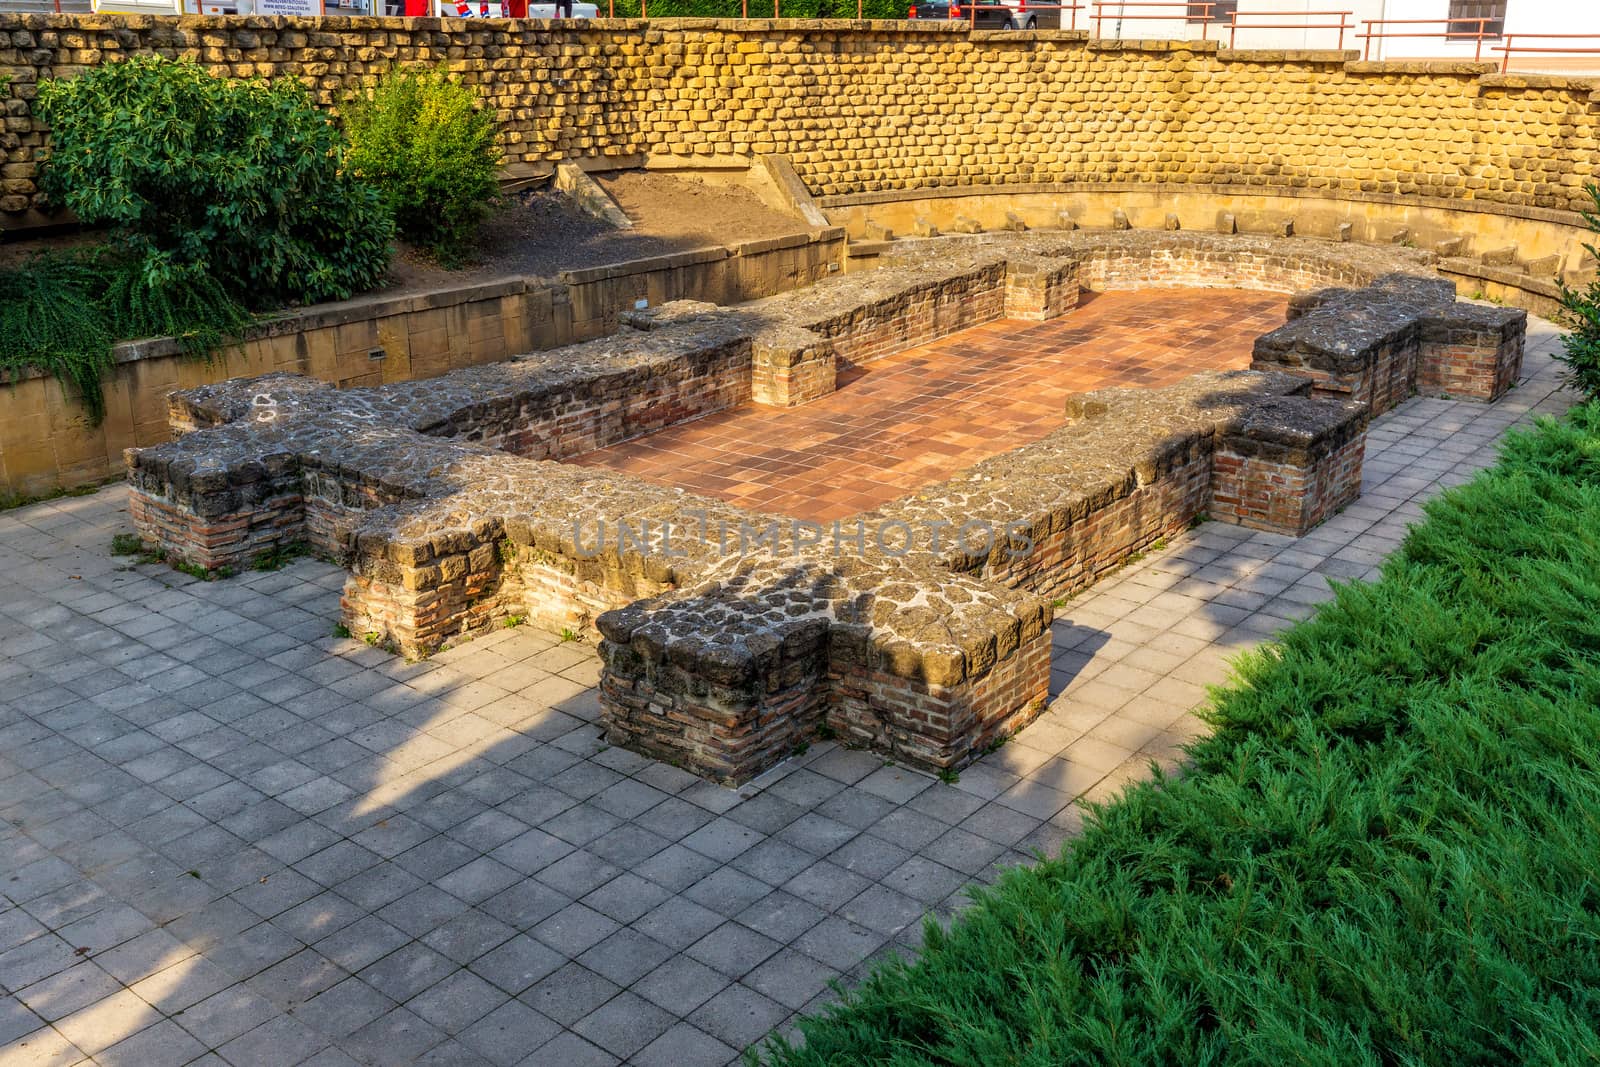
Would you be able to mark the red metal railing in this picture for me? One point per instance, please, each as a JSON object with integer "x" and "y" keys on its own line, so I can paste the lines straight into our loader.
{"x": 1478, "y": 33}
{"x": 1200, "y": 11}
{"x": 1346, "y": 22}
{"x": 1509, "y": 47}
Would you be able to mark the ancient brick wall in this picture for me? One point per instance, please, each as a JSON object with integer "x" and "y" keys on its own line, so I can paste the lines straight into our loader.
{"x": 901, "y": 105}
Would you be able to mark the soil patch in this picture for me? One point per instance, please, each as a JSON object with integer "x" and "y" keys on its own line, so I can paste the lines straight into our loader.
{"x": 541, "y": 232}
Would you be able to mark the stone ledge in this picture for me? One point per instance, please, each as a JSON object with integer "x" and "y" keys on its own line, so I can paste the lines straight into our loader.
{"x": 1521, "y": 211}
{"x": 1467, "y": 67}
{"x": 1508, "y": 276}
{"x": 1340, "y": 57}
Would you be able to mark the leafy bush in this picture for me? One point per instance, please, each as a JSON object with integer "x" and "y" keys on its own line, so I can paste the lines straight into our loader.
{"x": 63, "y": 311}
{"x": 1581, "y": 314}
{"x": 1384, "y": 855}
{"x": 422, "y": 140}
{"x": 202, "y": 177}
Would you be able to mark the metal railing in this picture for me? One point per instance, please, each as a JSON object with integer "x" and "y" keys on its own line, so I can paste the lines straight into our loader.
{"x": 1346, "y": 22}
{"x": 1478, "y": 33}
{"x": 1484, "y": 34}
{"x": 1200, "y": 11}
{"x": 1510, "y": 48}
{"x": 44, "y": 7}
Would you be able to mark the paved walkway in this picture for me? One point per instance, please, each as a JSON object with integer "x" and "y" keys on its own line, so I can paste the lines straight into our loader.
{"x": 917, "y": 417}
{"x": 230, "y": 837}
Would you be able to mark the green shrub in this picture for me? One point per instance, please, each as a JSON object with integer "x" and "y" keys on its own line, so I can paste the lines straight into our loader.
{"x": 424, "y": 143}
{"x": 1581, "y": 314}
{"x": 202, "y": 177}
{"x": 1386, "y": 854}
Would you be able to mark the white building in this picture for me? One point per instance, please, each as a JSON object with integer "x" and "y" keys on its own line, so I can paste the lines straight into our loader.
{"x": 1412, "y": 29}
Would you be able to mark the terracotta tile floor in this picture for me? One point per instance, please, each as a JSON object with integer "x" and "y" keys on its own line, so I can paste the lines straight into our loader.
{"x": 918, "y": 417}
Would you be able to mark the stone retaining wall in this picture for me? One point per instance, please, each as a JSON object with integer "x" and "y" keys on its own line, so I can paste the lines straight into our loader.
{"x": 862, "y": 108}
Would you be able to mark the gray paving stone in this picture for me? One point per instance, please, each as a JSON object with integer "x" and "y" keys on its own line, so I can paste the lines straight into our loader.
{"x": 624, "y": 1025}
{"x": 398, "y": 1036}
{"x": 224, "y": 1016}
{"x": 525, "y": 904}
{"x": 468, "y": 936}
{"x": 626, "y": 897}
{"x": 733, "y": 949}
{"x": 678, "y": 922}
{"x": 575, "y": 929}
{"x": 458, "y": 1001}
{"x": 407, "y": 971}
{"x": 161, "y": 1045}
{"x": 839, "y": 942}
{"x": 283, "y": 1039}
{"x": 781, "y": 916}
{"x": 344, "y": 1008}
{"x": 738, "y": 1016}
{"x": 680, "y": 985}
{"x": 510, "y": 1033}
{"x": 518, "y": 963}
{"x": 570, "y": 1050}
{"x": 578, "y": 874}
{"x": 684, "y": 1046}
{"x": 569, "y": 994}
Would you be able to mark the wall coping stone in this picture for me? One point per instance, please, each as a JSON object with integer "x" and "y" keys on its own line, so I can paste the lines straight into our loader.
{"x": 1296, "y": 429}
{"x": 889, "y": 196}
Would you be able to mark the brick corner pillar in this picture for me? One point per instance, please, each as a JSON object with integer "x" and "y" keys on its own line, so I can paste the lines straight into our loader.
{"x": 415, "y": 594}
{"x": 719, "y": 701}
{"x": 1040, "y": 288}
{"x": 939, "y": 708}
{"x": 214, "y": 515}
{"x": 791, "y": 366}
{"x": 1471, "y": 352}
{"x": 1289, "y": 463}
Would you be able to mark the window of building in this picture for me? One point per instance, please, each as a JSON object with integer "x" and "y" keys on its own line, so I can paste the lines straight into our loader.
{"x": 1465, "y": 16}
{"x": 1220, "y": 10}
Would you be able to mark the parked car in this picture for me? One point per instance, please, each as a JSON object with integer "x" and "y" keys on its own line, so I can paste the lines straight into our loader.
{"x": 990, "y": 14}
{"x": 548, "y": 11}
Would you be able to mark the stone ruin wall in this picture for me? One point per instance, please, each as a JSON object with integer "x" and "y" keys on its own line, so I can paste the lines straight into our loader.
{"x": 725, "y": 658}
{"x": 860, "y": 108}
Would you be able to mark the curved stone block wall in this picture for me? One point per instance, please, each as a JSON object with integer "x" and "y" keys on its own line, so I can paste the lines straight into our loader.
{"x": 863, "y": 108}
